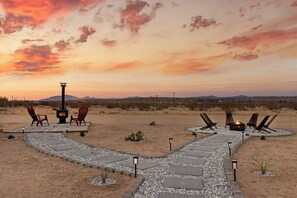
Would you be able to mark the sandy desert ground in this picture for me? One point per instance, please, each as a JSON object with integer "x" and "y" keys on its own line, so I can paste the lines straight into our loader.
{"x": 109, "y": 128}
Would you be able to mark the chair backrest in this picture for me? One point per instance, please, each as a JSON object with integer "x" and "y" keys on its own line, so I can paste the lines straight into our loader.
{"x": 229, "y": 118}
{"x": 253, "y": 120}
{"x": 31, "y": 112}
{"x": 204, "y": 119}
{"x": 208, "y": 120}
{"x": 82, "y": 112}
{"x": 270, "y": 121}
{"x": 262, "y": 123}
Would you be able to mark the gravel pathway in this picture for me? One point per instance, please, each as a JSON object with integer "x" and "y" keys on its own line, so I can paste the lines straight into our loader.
{"x": 194, "y": 171}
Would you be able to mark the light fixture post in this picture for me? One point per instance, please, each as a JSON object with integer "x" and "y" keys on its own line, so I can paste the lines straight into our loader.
{"x": 242, "y": 136}
{"x": 67, "y": 129}
{"x": 234, "y": 167}
{"x": 135, "y": 162}
{"x": 229, "y": 146}
{"x": 23, "y": 130}
{"x": 170, "y": 145}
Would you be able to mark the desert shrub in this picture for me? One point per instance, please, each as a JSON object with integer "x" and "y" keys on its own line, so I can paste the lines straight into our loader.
{"x": 153, "y": 123}
{"x": 262, "y": 137}
{"x": 135, "y": 137}
{"x": 261, "y": 165}
{"x": 104, "y": 177}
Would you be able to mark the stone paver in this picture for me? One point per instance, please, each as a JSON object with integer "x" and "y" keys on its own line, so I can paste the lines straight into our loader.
{"x": 203, "y": 148}
{"x": 80, "y": 152}
{"x": 184, "y": 183}
{"x": 142, "y": 164}
{"x": 63, "y": 147}
{"x": 195, "y": 153}
{"x": 185, "y": 170}
{"x": 214, "y": 144}
{"x": 109, "y": 159}
{"x": 191, "y": 160}
{"x": 175, "y": 195}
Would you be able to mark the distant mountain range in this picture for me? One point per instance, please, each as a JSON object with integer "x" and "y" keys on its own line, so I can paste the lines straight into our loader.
{"x": 67, "y": 97}
{"x": 210, "y": 97}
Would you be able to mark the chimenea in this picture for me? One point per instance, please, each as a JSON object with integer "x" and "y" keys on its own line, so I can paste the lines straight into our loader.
{"x": 62, "y": 113}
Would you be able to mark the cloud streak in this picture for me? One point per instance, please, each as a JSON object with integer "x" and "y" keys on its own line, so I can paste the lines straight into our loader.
{"x": 109, "y": 43}
{"x": 199, "y": 22}
{"x": 263, "y": 38}
{"x": 33, "y": 13}
{"x": 245, "y": 56}
{"x": 35, "y": 58}
{"x": 86, "y": 31}
{"x": 132, "y": 18}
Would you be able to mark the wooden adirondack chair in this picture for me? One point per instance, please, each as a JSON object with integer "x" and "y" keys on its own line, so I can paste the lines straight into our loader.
{"x": 229, "y": 119}
{"x": 253, "y": 121}
{"x": 266, "y": 126}
{"x": 82, "y": 113}
{"x": 208, "y": 122}
{"x": 261, "y": 126}
{"x": 37, "y": 118}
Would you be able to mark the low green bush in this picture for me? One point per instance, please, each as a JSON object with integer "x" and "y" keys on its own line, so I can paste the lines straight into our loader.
{"x": 135, "y": 137}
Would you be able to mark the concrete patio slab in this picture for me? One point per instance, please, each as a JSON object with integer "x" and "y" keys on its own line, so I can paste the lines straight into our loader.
{"x": 64, "y": 147}
{"x": 195, "y": 153}
{"x": 142, "y": 164}
{"x": 175, "y": 195}
{"x": 203, "y": 148}
{"x": 185, "y": 170}
{"x": 107, "y": 159}
{"x": 191, "y": 160}
{"x": 184, "y": 183}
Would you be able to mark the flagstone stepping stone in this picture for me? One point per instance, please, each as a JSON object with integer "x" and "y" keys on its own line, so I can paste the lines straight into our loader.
{"x": 107, "y": 159}
{"x": 142, "y": 164}
{"x": 195, "y": 153}
{"x": 80, "y": 152}
{"x": 64, "y": 147}
{"x": 191, "y": 160}
{"x": 185, "y": 170}
{"x": 175, "y": 195}
{"x": 214, "y": 144}
{"x": 203, "y": 148}
{"x": 184, "y": 183}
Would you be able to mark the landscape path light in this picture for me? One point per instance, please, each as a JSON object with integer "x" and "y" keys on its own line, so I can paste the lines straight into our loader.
{"x": 229, "y": 146}
{"x": 67, "y": 129}
{"x": 23, "y": 129}
{"x": 234, "y": 167}
{"x": 135, "y": 162}
{"x": 170, "y": 144}
{"x": 195, "y": 134}
{"x": 242, "y": 135}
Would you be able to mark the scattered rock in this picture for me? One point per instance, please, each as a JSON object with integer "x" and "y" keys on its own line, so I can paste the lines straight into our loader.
{"x": 153, "y": 123}
{"x": 99, "y": 182}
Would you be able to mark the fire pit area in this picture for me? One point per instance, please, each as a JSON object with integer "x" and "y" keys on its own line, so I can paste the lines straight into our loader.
{"x": 237, "y": 126}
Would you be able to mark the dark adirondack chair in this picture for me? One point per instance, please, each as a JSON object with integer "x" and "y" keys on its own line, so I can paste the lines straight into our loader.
{"x": 82, "y": 113}
{"x": 229, "y": 119}
{"x": 266, "y": 126}
{"x": 37, "y": 118}
{"x": 261, "y": 127}
{"x": 253, "y": 120}
{"x": 208, "y": 122}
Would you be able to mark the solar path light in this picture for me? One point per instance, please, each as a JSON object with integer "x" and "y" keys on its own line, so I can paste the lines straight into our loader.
{"x": 229, "y": 146}
{"x": 234, "y": 167}
{"x": 135, "y": 162}
{"x": 170, "y": 144}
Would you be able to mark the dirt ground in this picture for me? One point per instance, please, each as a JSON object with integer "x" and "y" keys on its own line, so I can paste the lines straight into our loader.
{"x": 58, "y": 178}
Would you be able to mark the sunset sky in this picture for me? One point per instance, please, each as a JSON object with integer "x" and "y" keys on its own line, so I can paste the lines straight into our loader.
{"x": 113, "y": 48}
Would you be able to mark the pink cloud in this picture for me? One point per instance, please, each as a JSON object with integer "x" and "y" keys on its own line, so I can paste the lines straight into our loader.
{"x": 251, "y": 42}
{"x": 245, "y": 56}
{"x": 256, "y": 27}
{"x": 242, "y": 12}
{"x": 255, "y": 5}
{"x": 63, "y": 45}
{"x": 26, "y": 41}
{"x": 199, "y": 22}
{"x": 123, "y": 66}
{"x": 33, "y": 13}
{"x": 35, "y": 59}
{"x": 294, "y": 4}
{"x": 132, "y": 16}
{"x": 109, "y": 43}
{"x": 86, "y": 31}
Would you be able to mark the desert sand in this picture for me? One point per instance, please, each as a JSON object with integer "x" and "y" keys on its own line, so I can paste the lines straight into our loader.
{"x": 109, "y": 128}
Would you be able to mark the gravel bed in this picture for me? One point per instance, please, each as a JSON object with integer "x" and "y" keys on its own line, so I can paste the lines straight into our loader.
{"x": 215, "y": 183}
{"x": 97, "y": 181}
